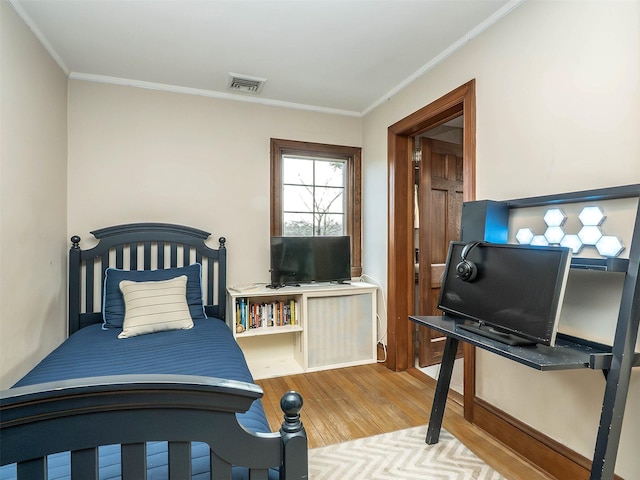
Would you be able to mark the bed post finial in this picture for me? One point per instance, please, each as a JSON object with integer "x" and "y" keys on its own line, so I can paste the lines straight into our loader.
{"x": 291, "y": 404}
{"x": 222, "y": 241}
{"x": 75, "y": 242}
{"x": 294, "y": 439}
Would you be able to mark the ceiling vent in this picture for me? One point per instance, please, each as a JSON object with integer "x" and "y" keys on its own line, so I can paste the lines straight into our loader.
{"x": 246, "y": 83}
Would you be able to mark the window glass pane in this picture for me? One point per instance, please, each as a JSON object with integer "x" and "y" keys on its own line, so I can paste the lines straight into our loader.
{"x": 297, "y": 199}
{"x": 329, "y": 200}
{"x": 330, "y": 173}
{"x": 329, "y": 224}
{"x": 297, "y": 170}
{"x": 297, "y": 225}
{"x": 313, "y": 200}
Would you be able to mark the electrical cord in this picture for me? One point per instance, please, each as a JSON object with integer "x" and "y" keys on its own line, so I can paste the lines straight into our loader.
{"x": 382, "y": 332}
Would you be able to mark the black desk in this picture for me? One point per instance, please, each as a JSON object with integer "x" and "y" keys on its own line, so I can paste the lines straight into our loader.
{"x": 568, "y": 353}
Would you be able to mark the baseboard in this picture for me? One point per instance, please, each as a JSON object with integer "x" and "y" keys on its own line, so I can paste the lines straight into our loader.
{"x": 544, "y": 452}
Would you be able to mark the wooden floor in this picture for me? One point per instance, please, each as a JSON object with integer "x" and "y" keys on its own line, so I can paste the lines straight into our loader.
{"x": 349, "y": 403}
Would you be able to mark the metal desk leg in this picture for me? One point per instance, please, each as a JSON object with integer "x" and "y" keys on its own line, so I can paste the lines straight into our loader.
{"x": 442, "y": 390}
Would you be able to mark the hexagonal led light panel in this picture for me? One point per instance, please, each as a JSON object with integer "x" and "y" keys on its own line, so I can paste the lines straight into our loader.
{"x": 589, "y": 234}
{"x": 591, "y": 216}
{"x": 554, "y": 235}
{"x": 524, "y": 236}
{"x": 609, "y": 246}
{"x": 573, "y": 242}
{"x": 539, "y": 240}
{"x": 554, "y": 217}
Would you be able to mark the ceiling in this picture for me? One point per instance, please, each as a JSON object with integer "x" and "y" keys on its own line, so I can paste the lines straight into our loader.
{"x": 338, "y": 56}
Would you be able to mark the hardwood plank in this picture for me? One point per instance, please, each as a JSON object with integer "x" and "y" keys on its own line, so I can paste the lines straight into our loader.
{"x": 355, "y": 402}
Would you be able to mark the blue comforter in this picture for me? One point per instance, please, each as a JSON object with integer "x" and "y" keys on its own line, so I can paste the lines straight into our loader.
{"x": 208, "y": 349}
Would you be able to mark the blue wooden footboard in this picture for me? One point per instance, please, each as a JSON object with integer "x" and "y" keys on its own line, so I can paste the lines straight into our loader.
{"x": 82, "y": 414}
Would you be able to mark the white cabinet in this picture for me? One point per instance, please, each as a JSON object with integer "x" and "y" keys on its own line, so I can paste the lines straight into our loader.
{"x": 332, "y": 326}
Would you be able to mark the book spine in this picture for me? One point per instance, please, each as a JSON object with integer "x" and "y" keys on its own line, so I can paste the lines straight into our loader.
{"x": 292, "y": 310}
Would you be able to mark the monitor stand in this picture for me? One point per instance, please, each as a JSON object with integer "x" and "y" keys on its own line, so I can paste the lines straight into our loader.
{"x": 494, "y": 334}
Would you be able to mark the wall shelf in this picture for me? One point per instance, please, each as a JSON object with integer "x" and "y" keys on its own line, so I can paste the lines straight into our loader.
{"x": 603, "y": 264}
{"x": 487, "y": 220}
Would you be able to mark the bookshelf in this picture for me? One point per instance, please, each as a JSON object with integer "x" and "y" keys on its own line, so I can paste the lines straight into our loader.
{"x": 265, "y": 315}
{"x": 324, "y": 326}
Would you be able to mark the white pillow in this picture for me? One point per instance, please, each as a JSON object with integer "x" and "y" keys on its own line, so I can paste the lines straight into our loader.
{"x": 155, "y": 306}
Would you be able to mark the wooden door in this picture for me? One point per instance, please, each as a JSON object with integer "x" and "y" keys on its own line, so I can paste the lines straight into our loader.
{"x": 440, "y": 196}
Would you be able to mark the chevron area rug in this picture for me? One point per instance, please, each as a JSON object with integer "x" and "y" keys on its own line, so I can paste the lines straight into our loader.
{"x": 399, "y": 455}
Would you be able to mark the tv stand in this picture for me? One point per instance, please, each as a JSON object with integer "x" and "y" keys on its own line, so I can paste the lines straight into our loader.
{"x": 494, "y": 334}
{"x": 332, "y": 326}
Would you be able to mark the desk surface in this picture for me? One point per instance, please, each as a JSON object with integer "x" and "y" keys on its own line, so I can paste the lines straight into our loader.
{"x": 568, "y": 353}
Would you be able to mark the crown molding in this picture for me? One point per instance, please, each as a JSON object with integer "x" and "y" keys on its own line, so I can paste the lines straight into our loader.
{"x": 209, "y": 93}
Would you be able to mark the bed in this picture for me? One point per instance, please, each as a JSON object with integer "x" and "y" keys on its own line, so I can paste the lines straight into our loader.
{"x": 150, "y": 383}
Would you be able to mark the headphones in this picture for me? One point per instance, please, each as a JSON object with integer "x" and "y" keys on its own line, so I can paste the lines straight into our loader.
{"x": 466, "y": 270}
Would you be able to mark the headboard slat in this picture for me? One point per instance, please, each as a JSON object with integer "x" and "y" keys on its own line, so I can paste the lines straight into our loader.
{"x": 186, "y": 255}
{"x": 119, "y": 256}
{"x": 146, "y": 248}
{"x": 84, "y": 463}
{"x": 35, "y": 469}
{"x": 174, "y": 254}
{"x": 133, "y": 255}
{"x": 103, "y": 267}
{"x": 134, "y": 461}
{"x": 160, "y": 246}
{"x": 210, "y": 282}
{"x": 89, "y": 289}
{"x": 179, "y": 460}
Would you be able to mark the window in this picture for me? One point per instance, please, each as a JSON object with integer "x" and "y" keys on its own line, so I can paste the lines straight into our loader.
{"x": 313, "y": 196}
{"x": 315, "y": 190}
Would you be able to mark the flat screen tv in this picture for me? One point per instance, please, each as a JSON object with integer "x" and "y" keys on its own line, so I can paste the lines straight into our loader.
{"x": 320, "y": 259}
{"x": 514, "y": 293}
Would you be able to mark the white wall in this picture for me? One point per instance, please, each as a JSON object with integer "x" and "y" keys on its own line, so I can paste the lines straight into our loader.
{"x": 33, "y": 137}
{"x": 558, "y": 109}
{"x": 142, "y": 155}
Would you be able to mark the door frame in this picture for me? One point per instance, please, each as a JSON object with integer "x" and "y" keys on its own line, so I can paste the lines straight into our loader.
{"x": 400, "y": 259}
